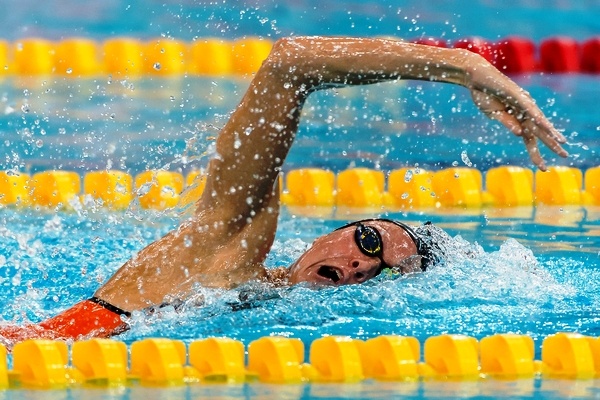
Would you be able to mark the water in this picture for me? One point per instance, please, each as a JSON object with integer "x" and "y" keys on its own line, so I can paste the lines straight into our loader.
{"x": 528, "y": 275}
{"x": 493, "y": 19}
{"x": 143, "y": 124}
{"x": 535, "y": 272}
{"x": 547, "y": 389}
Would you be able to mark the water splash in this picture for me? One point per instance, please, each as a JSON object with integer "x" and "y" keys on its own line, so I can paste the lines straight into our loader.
{"x": 475, "y": 292}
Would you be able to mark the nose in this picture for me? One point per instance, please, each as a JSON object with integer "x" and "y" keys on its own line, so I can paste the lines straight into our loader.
{"x": 362, "y": 269}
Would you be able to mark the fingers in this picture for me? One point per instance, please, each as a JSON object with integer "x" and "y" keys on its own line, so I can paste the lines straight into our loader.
{"x": 530, "y": 123}
{"x": 543, "y": 130}
{"x": 531, "y": 132}
{"x": 546, "y": 126}
{"x": 508, "y": 120}
{"x": 532, "y": 148}
{"x": 522, "y": 117}
{"x": 531, "y": 129}
{"x": 495, "y": 109}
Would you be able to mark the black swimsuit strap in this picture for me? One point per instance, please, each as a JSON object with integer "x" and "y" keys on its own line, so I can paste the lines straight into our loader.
{"x": 110, "y": 307}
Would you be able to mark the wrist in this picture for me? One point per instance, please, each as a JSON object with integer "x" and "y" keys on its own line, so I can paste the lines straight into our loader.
{"x": 465, "y": 65}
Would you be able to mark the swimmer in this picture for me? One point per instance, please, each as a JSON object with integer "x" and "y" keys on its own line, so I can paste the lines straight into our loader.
{"x": 226, "y": 241}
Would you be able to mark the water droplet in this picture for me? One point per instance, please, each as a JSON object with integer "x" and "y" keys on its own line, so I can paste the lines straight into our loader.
{"x": 69, "y": 71}
{"x": 120, "y": 188}
{"x": 168, "y": 191}
{"x": 408, "y": 176}
{"x": 465, "y": 159}
{"x": 156, "y": 66}
{"x": 16, "y": 280}
{"x": 145, "y": 188}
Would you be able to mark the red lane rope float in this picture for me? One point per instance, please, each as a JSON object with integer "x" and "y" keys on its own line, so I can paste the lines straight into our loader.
{"x": 590, "y": 56}
{"x": 515, "y": 55}
{"x": 518, "y": 55}
{"x": 560, "y": 54}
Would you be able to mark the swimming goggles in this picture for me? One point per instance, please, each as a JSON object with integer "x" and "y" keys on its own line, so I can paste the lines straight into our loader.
{"x": 369, "y": 241}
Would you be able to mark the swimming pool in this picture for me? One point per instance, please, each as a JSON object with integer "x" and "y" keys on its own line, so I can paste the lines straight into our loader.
{"x": 535, "y": 270}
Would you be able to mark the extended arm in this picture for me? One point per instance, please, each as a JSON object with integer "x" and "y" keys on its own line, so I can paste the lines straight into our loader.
{"x": 254, "y": 143}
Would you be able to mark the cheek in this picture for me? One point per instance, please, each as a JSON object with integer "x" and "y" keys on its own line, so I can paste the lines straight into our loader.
{"x": 300, "y": 275}
{"x": 298, "y": 270}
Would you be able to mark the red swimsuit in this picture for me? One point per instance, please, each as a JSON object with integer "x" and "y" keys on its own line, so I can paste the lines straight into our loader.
{"x": 89, "y": 318}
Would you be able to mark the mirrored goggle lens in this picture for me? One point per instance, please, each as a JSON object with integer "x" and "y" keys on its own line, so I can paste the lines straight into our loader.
{"x": 368, "y": 240}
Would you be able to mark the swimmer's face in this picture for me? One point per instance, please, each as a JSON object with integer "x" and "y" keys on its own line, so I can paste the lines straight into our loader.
{"x": 336, "y": 259}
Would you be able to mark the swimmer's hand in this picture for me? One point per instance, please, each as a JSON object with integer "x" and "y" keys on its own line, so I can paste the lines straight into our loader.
{"x": 501, "y": 99}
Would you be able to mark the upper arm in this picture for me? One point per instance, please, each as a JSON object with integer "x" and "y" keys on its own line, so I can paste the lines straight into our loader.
{"x": 252, "y": 146}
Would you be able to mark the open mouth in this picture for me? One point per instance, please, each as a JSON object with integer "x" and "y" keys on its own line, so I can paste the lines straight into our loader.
{"x": 331, "y": 273}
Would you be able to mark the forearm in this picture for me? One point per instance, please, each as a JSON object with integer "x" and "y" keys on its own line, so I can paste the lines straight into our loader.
{"x": 321, "y": 61}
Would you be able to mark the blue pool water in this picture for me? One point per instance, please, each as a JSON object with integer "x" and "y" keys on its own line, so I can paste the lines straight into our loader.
{"x": 536, "y": 271}
{"x": 135, "y": 125}
{"x": 190, "y": 19}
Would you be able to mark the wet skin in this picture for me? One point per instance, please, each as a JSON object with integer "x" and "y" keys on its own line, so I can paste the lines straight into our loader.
{"x": 335, "y": 259}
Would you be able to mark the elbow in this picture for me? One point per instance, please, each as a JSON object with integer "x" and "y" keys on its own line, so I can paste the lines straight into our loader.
{"x": 285, "y": 49}
{"x": 286, "y": 59}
